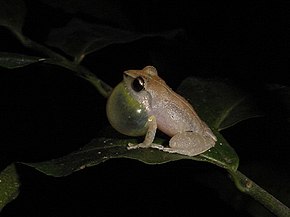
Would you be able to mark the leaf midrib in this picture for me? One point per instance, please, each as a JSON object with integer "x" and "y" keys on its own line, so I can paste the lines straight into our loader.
{"x": 226, "y": 112}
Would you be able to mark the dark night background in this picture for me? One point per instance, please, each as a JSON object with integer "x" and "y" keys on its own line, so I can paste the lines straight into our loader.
{"x": 46, "y": 112}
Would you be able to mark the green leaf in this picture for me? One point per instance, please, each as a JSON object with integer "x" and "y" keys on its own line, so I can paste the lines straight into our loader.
{"x": 9, "y": 185}
{"x": 79, "y": 38}
{"x": 12, "y": 13}
{"x": 12, "y": 60}
{"x": 103, "y": 149}
{"x": 218, "y": 102}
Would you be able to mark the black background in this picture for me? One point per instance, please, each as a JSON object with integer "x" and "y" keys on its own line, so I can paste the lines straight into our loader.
{"x": 46, "y": 112}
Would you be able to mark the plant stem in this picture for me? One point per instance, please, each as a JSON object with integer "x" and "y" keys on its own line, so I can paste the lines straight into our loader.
{"x": 57, "y": 59}
{"x": 247, "y": 186}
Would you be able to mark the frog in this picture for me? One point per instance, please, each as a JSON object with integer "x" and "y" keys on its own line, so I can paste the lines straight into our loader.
{"x": 143, "y": 103}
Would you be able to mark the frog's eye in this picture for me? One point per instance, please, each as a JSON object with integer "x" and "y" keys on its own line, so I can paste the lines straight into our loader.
{"x": 138, "y": 84}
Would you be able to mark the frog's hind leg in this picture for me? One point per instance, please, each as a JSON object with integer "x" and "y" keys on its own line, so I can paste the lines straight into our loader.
{"x": 189, "y": 143}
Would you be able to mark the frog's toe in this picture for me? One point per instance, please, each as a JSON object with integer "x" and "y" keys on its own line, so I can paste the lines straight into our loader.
{"x": 157, "y": 146}
{"x": 142, "y": 145}
{"x": 135, "y": 146}
{"x": 132, "y": 146}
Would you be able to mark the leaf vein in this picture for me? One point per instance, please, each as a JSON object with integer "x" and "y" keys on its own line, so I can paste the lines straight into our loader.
{"x": 227, "y": 111}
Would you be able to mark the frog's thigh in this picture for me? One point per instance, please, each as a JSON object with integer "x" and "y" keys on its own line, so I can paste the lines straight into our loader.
{"x": 189, "y": 143}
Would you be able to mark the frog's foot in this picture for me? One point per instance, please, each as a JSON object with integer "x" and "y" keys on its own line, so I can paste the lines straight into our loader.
{"x": 143, "y": 145}
{"x": 176, "y": 151}
{"x": 186, "y": 152}
{"x": 135, "y": 146}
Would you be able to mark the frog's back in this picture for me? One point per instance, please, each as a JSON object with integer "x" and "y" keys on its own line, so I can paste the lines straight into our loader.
{"x": 173, "y": 113}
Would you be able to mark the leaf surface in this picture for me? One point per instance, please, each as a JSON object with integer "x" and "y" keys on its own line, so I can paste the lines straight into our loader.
{"x": 79, "y": 38}
{"x": 13, "y": 60}
{"x": 9, "y": 185}
{"x": 218, "y": 102}
{"x": 102, "y": 149}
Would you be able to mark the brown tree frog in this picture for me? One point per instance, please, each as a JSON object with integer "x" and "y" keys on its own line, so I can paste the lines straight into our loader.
{"x": 143, "y": 102}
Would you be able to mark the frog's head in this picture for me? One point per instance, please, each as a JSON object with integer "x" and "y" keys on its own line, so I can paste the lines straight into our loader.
{"x": 143, "y": 84}
{"x": 129, "y": 102}
{"x": 137, "y": 82}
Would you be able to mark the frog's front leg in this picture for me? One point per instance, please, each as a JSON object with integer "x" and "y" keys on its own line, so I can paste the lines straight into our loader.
{"x": 189, "y": 143}
{"x": 149, "y": 138}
